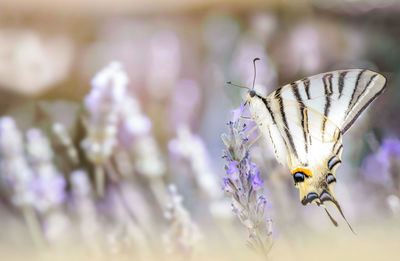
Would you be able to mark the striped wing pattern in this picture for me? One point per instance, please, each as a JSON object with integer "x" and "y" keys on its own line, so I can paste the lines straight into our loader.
{"x": 314, "y": 113}
{"x": 340, "y": 96}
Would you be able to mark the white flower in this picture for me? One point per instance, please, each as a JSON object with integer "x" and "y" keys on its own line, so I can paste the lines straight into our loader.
{"x": 104, "y": 104}
{"x": 15, "y": 172}
{"x": 183, "y": 234}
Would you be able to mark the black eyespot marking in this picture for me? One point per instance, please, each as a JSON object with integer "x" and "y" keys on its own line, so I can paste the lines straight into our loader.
{"x": 252, "y": 93}
{"x": 333, "y": 162}
{"x": 325, "y": 196}
{"x": 330, "y": 178}
{"x": 298, "y": 177}
{"x": 310, "y": 197}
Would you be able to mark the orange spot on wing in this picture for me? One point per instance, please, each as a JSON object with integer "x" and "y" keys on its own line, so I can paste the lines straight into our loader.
{"x": 307, "y": 172}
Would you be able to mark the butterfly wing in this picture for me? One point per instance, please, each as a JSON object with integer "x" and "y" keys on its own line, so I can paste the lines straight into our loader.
{"x": 340, "y": 96}
{"x": 309, "y": 136}
{"x": 264, "y": 118}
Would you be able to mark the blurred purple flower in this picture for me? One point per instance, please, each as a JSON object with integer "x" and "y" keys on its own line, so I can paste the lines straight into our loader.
{"x": 391, "y": 147}
{"x": 80, "y": 184}
{"x": 191, "y": 148}
{"x": 48, "y": 184}
{"x": 16, "y": 175}
{"x": 104, "y": 104}
{"x": 49, "y": 191}
{"x": 134, "y": 123}
{"x": 376, "y": 167}
{"x": 183, "y": 234}
{"x": 108, "y": 85}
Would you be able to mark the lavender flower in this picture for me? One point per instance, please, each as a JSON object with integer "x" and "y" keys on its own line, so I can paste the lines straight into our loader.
{"x": 243, "y": 183}
{"x": 62, "y": 135}
{"x": 135, "y": 134}
{"x": 103, "y": 105}
{"x": 192, "y": 149}
{"x": 384, "y": 162}
{"x": 48, "y": 187}
{"x": 182, "y": 234}
{"x": 16, "y": 175}
{"x": 134, "y": 122}
{"x": 49, "y": 184}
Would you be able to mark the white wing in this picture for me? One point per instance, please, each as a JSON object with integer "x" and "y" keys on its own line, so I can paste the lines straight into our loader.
{"x": 260, "y": 112}
{"x": 340, "y": 96}
{"x": 309, "y": 136}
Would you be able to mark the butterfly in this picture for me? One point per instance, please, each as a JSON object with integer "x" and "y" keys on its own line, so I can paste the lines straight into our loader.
{"x": 304, "y": 123}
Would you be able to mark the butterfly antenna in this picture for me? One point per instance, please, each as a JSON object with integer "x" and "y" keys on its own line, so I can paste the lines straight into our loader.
{"x": 255, "y": 71}
{"x": 240, "y": 86}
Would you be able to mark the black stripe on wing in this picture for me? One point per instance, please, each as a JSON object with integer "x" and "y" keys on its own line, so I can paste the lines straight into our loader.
{"x": 268, "y": 108}
{"x": 348, "y": 125}
{"x": 366, "y": 87}
{"x": 342, "y": 75}
{"x": 284, "y": 120}
{"x": 354, "y": 91}
{"x": 306, "y": 83}
{"x": 333, "y": 161}
{"x": 327, "y": 80}
{"x": 304, "y": 124}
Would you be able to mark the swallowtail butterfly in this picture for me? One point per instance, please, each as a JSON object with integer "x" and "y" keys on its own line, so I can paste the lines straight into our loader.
{"x": 304, "y": 122}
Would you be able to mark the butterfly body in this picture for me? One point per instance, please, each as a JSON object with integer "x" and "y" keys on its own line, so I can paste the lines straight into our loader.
{"x": 304, "y": 122}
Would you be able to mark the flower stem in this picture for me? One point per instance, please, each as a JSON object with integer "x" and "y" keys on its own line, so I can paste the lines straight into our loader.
{"x": 99, "y": 179}
{"x": 159, "y": 190}
{"x": 34, "y": 227}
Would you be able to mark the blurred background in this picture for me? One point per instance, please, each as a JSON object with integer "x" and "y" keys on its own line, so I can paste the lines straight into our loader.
{"x": 112, "y": 113}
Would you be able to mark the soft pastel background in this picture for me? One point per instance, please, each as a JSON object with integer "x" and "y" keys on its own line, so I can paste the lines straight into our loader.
{"x": 177, "y": 56}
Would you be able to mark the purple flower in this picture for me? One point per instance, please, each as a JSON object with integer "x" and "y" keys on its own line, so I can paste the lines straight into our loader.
{"x": 377, "y": 166}
{"x": 244, "y": 184}
{"x": 227, "y": 187}
{"x": 49, "y": 191}
{"x": 391, "y": 147}
{"x": 257, "y": 181}
{"x": 232, "y": 169}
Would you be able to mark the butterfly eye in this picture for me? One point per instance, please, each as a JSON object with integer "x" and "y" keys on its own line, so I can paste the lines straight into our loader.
{"x": 330, "y": 178}
{"x": 298, "y": 177}
{"x": 252, "y": 93}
